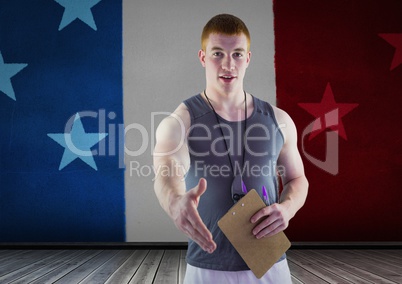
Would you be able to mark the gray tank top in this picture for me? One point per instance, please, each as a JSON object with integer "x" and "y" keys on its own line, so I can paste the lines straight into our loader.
{"x": 210, "y": 160}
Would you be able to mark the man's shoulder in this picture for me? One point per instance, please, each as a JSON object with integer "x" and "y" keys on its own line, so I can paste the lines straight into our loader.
{"x": 281, "y": 116}
{"x": 196, "y": 107}
{"x": 175, "y": 125}
{"x": 183, "y": 110}
{"x": 262, "y": 103}
{"x": 182, "y": 115}
{"x": 192, "y": 99}
{"x": 266, "y": 106}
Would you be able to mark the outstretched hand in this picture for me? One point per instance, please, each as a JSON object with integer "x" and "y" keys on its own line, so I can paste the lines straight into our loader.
{"x": 183, "y": 211}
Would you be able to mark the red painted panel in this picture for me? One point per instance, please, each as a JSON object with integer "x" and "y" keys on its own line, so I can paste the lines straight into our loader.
{"x": 339, "y": 76}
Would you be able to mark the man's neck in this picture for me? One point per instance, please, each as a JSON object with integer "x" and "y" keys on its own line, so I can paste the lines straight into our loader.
{"x": 226, "y": 100}
{"x": 228, "y": 105}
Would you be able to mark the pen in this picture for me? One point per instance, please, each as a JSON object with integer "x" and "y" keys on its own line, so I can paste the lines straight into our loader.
{"x": 265, "y": 195}
{"x": 244, "y": 188}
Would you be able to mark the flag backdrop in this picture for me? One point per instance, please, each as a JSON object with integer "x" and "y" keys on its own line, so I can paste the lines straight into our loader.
{"x": 60, "y": 115}
{"x": 339, "y": 76}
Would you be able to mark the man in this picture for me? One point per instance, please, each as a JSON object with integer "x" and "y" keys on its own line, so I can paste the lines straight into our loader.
{"x": 216, "y": 146}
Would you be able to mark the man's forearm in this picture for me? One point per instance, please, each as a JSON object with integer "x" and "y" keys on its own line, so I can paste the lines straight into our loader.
{"x": 294, "y": 194}
{"x": 169, "y": 182}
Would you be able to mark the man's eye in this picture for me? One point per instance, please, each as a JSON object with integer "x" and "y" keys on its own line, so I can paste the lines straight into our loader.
{"x": 238, "y": 54}
{"x": 217, "y": 54}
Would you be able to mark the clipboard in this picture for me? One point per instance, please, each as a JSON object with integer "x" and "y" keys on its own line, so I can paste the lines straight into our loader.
{"x": 259, "y": 254}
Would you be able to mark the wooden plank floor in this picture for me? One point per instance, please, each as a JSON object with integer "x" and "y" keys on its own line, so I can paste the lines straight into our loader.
{"x": 168, "y": 266}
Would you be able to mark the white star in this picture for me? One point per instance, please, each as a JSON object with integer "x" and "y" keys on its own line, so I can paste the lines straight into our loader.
{"x": 77, "y": 144}
{"x": 6, "y": 72}
{"x": 77, "y": 9}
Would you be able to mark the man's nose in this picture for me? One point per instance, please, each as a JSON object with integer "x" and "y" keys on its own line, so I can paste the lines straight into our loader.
{"x": 228, "y": 64}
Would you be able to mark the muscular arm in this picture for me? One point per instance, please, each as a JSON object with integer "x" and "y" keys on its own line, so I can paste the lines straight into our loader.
{"x": 171, "y": 158}
{"x": 295, "y": 184}
{"x": 171, "y": 162}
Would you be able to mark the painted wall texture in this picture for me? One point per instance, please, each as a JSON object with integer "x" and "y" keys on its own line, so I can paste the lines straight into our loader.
{"x": 60, "y": 108}
{"x": 161, "y": 69}
{"x": 61, "y": 81}
{"x": 338, "y": 74}
{"x": 78, "y": 81}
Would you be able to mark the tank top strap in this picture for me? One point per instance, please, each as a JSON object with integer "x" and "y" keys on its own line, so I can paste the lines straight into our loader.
{"x": 266, "y": 109}
{"x": 263, "y": 107}
{"x": 196, "y": 107}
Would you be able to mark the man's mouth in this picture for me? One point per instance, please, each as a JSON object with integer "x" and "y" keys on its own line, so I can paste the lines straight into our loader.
{"x": 227, "y": 78}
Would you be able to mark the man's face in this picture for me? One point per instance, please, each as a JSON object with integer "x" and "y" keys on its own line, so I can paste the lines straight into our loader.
{"x": 225, "y": 60}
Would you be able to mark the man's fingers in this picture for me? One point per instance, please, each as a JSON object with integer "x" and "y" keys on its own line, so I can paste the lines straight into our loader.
{"x": 201, "y": 187}
{"x": 273, "y": 223}
{"x": 200, "y": 230}
{"x": 205, "y": 243}
{"x": 196, "y": 222}
{"x": 264, "y": 224}
{"x": 195, "y": 227}
{"x": 273, "y": 229}
{"x": 260, "y": 214}
{"x": 192, "y": 213}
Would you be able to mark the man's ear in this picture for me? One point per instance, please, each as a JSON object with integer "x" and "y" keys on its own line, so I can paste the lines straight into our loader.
{"x": 201, "y": 56}
{"x": 248, "y": 57}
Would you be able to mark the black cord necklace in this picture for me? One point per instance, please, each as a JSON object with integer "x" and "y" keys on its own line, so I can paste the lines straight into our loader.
{"x": 238, "y": 186}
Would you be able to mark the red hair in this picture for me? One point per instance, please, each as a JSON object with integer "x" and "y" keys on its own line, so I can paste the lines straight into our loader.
{"x": 224, "y": 24}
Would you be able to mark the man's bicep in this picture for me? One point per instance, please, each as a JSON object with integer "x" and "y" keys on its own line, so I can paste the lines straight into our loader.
{"x": 171, "y": 142}
{"x": 289, "y": 158}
